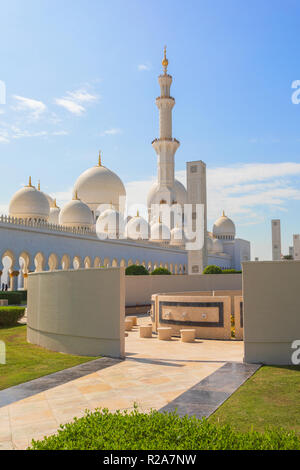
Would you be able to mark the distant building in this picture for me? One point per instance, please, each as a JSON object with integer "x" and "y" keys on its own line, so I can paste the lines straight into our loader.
{"x": 296, "y": 247}
{"x": 276, "y": 240}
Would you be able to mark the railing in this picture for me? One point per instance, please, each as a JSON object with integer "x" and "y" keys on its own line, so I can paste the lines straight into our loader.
{"x": 41, "y": 224}
{"x": 7, "y": 219}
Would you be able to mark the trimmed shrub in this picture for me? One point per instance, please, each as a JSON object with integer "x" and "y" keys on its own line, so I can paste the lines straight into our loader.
{"x": 230, "y": 271}
{"x": 13, "y": 297}
{"x": 160, "y": 271}
{"x": 212, "y": 269}
{"x": 136, "y": 270}
{"x": 11, "y": 315}
{"x": 103, "y": 430}
{"x": 23, "y": 294}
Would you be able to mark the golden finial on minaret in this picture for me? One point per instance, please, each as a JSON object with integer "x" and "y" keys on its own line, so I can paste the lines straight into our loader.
{"x": 39, "y": 185}
{"x": 223, "y": 215}
{"x": 165, "y": 61}
{"x": 29, "y": 183}
{"x": 99, "y": 159}
{"x": 137, "y": 213}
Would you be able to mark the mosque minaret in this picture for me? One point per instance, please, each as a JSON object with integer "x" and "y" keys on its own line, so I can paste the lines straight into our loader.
{"x": 166, "y": 190}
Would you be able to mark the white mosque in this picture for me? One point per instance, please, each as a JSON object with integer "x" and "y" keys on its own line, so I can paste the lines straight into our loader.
{"x": 93, "y": 229}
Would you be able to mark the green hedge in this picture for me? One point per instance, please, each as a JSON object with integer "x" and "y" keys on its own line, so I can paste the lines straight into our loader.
{"x": 103, "y": 430}
{"x": 230, "y": 271}
{"x": 13, "y": 297}
{"x": 160, "y": 271}
{"x": 11, "y": 315}
{"x": 136, "y": 270}
{"x": 212, "y": 269}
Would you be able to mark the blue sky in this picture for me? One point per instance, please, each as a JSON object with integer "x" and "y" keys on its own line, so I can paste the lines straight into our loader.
{"x": 82, "y": 76}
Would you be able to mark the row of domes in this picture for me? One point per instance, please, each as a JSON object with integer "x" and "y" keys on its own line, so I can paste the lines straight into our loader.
{"x": 100, "y": 186}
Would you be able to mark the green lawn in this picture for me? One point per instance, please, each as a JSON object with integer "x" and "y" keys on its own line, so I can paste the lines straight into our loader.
{"x": 25, "y": 361}
{"x": 271, "y": 397}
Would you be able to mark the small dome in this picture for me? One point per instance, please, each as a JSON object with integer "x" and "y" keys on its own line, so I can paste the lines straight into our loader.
{"x": 160, "y": 233}
{"x": 76, "y": 214}
{"x": 99, "y": 185}
{"x": 29, "y": 203}
{"x": 54, "y": 214}
{"x": 224, "y": 228}
{"x": 137, "y": 228}
{"x": 179, "y": 194}
{"x": 217, "y": 246}
{"x": 177, "y": 237}
{"x": 111, "y": 223}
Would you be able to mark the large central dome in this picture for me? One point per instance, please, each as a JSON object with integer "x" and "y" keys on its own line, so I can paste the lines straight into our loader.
{"x": 99, "y": 185}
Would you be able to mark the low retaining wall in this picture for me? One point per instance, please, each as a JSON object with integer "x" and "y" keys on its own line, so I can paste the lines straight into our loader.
{"x": 139, "y": 289}
{"x": 208, "y": 315}
{"x": 271, "y": 311}
{"x": 77, "y": 311}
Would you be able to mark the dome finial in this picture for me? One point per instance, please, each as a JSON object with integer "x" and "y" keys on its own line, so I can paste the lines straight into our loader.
{"x": 165, "y": 61}
{"x": 137, "y": 213}
{"x": 75, "y": 198}
{"x": 39, "y": 185}
{"x": 54, "y": 203}
{"x": 29, "y": 183}
{"x": 99, "y": 159}
{"x": 223, "y": 214}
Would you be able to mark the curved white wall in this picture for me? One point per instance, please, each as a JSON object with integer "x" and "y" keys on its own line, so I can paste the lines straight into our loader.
{"x": 78, "y": 312}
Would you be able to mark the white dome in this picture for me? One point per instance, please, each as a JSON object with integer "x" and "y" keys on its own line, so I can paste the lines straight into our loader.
{"x": 29, "y": 203}
{"x": 137, "y": 228}
{"x": 179, "y": 194}
{"x": 177, "y": 237}
{"x": 76, "y": 214}
{"x": 224, "y": 228}
{"x": 217, "y": 246}
{"x": 54, "y": 215}
{"x": 111, "y": 223}
{"x": 160, "y": 233}
{"x": 99, "y": 185}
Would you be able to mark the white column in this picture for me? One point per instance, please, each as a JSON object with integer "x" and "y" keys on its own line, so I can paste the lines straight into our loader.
{"x": 196, "y": 189}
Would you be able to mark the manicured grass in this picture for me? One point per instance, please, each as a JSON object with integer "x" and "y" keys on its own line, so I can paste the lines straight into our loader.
{"x": 25, "y": 361}
{"x": 103, "y": 430}
{"x": 271, "y": 397}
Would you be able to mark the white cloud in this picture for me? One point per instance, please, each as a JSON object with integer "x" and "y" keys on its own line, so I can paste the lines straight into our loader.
{"x": 34, "y": 107}
{"x": 82, "y": 96}
{"x": 112, "y": 131}
{"x": 73, "y": 101}
{"x": 144, "y": 67}
{"x": 17, "y": 133}
{"x": 70, "y": 106}
{"x": 4, "y": 137}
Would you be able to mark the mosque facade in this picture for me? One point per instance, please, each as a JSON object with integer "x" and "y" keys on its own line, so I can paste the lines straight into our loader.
{"x": 93, "y": 229}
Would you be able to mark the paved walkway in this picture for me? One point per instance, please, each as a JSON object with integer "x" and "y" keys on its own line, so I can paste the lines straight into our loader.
{"x": 154, "y": 374}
